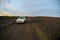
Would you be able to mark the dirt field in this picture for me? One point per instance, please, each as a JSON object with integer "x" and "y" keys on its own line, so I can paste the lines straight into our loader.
{"x": 35, "y": 28}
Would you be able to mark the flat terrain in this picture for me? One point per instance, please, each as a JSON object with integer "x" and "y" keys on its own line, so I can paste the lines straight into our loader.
{"x": 35, "y": 28}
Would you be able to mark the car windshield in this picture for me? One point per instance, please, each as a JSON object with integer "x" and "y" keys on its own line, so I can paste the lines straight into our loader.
{"x": 21, "y": 17}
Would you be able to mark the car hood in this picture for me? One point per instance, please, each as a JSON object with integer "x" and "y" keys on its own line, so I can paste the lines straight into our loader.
{"x": 20, "y": 19}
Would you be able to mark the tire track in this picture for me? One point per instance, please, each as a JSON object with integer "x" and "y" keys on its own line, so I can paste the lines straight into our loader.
{"x": 40, "y": 33}
{"x": 35, "y": 35}
{"x": 28, "y": 34}
{"x": 11, "y": 32}
{"x": 7, "y": 24}
{"x": 19, "y": 33}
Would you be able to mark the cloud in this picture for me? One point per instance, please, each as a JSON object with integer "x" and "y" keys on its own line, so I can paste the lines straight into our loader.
{"x": 30, "y": 7}
{"x": 5, "y": 14}
{"x": 11, "y": 14}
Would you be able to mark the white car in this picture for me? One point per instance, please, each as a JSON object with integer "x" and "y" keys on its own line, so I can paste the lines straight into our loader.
{"x": 21, "y": 19}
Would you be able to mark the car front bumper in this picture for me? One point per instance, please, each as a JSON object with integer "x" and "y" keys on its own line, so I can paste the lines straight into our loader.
{"x": 20, "y": 21}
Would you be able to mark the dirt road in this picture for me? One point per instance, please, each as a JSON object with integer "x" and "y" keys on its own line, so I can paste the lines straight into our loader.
{"x": 33, "y": 29}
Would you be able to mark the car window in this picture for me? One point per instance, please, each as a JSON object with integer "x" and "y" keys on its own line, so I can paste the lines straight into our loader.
{"x": 21, "y": 17}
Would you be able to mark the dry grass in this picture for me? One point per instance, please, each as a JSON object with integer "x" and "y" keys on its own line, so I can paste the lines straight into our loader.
{"x": 50, "y": 26}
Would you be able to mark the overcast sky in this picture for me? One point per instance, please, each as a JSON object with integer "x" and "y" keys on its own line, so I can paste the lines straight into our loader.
{"x": 31, "y": 7}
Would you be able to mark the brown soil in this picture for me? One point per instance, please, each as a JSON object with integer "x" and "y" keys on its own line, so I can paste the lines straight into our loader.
{"x": 35, "y": 28}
